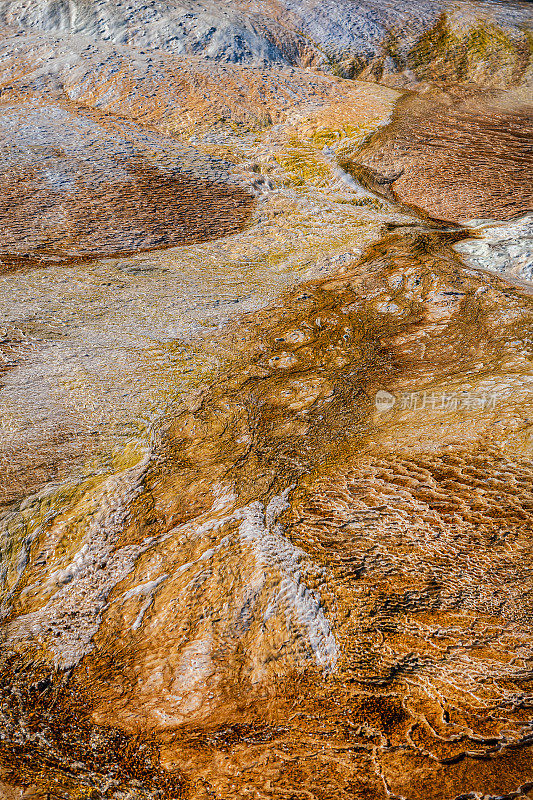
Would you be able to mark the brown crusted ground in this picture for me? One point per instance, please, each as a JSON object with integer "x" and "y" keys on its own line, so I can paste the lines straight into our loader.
{"x": 175, "y": 95}
{"x": 105, "y": 756}
{"x": 420, "y": 521}
{"x": 152, "y": 210}
{"x": 155, "y": 206}
{"x": 456, "y": 162}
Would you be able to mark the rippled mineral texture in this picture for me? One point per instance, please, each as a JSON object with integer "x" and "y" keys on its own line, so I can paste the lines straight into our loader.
{"x": 266, "y": 400}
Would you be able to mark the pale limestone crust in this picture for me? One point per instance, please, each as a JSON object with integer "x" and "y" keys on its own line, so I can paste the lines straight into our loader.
{"x": 67, "y": 622}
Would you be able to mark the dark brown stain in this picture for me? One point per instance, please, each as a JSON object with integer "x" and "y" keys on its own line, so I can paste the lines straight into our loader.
{"x": 151, "y": 211}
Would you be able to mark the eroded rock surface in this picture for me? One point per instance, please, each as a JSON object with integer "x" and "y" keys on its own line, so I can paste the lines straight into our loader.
{"x": 90, "y": 334}
{"x": 215, "y": 30}
{"x": 458, "y": 160}
{"x": 285, "y": 534}
{"x": 506, "y": 247}
{"x": 481, "y": 41}
{"x": 73, "y": 187}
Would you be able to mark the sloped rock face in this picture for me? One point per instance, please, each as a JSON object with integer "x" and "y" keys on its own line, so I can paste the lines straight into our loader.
{"x": 215, "y": 30}
{"x": 464, "y": 162}
{"x": 457, "y": 161}
{"x": 74, "y": 187}
{"x": 481, "y": 42}
{"x": 175, "y": 95}
{"x": 484, "y": 42}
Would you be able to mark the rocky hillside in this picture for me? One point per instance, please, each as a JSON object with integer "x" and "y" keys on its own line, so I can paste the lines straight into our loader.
{"x": 486, "y": 41}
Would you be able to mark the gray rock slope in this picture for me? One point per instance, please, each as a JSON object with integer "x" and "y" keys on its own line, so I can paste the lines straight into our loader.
{"x": 217, "y": 30}
{"x": 360, "y": 26}
{"x": 259, "y": 31}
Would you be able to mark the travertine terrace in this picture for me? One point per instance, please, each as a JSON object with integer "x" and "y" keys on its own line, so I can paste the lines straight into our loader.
{"x": 266, "y": 394}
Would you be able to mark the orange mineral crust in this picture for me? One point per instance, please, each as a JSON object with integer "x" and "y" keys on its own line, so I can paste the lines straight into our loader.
{"x": 293, "y": 582}
{"x": 458, "y": 160}
{"x": 266, "y": 400}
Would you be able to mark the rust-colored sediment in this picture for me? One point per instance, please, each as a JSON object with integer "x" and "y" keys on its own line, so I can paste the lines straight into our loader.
{"x": 294, "y": 594}
{"x": 150, "y": 210}
{"x": 410, "y": 675}
{"x": 457, "y": 161}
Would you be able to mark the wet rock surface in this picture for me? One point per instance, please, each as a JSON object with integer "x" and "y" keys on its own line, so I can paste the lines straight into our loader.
{"x": 458, "y": 160}
{"x": 282, "y": 534}
{"x": 267, "y": 475}
{"x": 72, "y": 187}
{"x": 93, "y": 331}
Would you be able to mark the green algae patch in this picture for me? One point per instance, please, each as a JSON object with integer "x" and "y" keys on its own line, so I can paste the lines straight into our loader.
{"x": 22, "y": 532}
{"x": 439, "y": 42}
{"x": 486, "y": 39}
{"x": 303, "y": 159}
{"x": 342, "y": 135}
{"x": 495, "y": 51}
{"x": 63, "y": 510}
{"x": 485, "y": 53}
